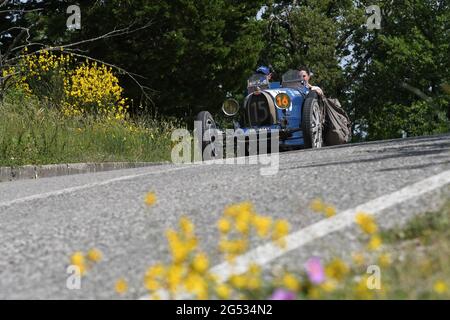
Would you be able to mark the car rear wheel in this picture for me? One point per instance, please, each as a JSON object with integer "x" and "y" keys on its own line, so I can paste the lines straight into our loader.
{"x": 312, "y": 121}
{"x": 208, "y": 139}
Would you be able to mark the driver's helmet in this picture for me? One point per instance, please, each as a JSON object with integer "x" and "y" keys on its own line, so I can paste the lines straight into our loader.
{"x": 263, "y": 70}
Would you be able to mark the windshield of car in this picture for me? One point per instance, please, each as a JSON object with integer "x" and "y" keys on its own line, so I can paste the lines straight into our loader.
{"x": 258, "y": 80}
{"x": 292, "y": 79}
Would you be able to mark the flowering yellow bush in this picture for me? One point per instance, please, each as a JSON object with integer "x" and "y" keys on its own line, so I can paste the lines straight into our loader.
{"x": 94, "y": 89}
{"x": 86, "y": 88}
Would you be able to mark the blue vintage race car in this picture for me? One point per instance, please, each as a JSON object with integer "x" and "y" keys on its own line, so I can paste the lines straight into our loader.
{"x": 288, "y": 108}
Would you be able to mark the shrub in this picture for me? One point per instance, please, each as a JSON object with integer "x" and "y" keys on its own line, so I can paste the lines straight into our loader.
{"x": 60, "y": 81}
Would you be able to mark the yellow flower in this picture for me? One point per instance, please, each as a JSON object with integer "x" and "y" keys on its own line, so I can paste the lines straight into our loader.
{"x": 197, "y": 285}
{"x": 253, "y": 282}
{"x": 238, "y": 281}
{"x": 230, "y": 258}
{"x": 121, "y": 286}
{"x": 179, "y": 253}
{"x": 179, "y": 249}
{"x": 233, "y": 246}
{"x": 186, "y": 226}
{"x": 150, "y": 199}
{"x": 358, "y": 258}
{"x": 200, "y": 263}
{"x": 314, "y": 293}
{"x": 337, "y": 269}
{"x": 224, "y": 225}
{"x": 262, "y": 225}
{"x": 192, "y": 282}
{"x": 236, "y": 209}
{"x": 254, "y": 269}
{"x": 242, "y": 226}
{"x": 202, "y": 294}
{"x": 330, "y": 211}
{"x": 281, "y": 229}
{"x": 317, "y": 205}
{"x": 374, "y": 243}
{"x": 174, "y": 276}
{"x": 385, "y": 260}
{"x": 291, "y": 282}
{"x": 152, "y": 284}
{"x": 440, "y": 287}
{"x": 361, "y": 289}
{"x": 151, "y": 277}
{"x": 366, "y": 223}
{"x": 77, "y": 258}
{"x": 329, "y": 285}
{"x": 191, "y": 243}
{"x": 155, "y": 296}
{"x": 155, "y": 271}
{"x": 223, "y": 291}
{"x": 94, "y": 255}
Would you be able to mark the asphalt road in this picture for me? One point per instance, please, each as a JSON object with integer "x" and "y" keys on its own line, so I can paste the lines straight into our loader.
{"x": 42, "y": 222}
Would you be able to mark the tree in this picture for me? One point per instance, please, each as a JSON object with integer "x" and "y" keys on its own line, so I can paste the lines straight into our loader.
{"x": 195, "y": 52}
{"x": 27, "y": 33}
{"x": 315, "y": 34}
{"x": 402, "y": 69}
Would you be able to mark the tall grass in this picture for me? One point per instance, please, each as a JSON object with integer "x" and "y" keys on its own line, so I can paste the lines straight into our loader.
{"x": 33, "y": 133}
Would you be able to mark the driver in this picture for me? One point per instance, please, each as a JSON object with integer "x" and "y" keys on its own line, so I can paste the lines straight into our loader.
{"x": 305, "y": 74}
{"x": 264, "y": 75}
{"x": 265, "y": 71}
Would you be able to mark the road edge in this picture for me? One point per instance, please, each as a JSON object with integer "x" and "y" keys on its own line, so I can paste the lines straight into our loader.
{"x": 54, "y": 170}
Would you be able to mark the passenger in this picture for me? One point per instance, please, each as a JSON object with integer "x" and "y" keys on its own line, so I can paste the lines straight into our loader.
{"x": 305, "y": 74}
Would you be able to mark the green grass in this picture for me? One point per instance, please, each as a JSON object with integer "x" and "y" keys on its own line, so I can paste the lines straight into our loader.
{"x": 420, "y": 258}
{"x": 33, "y": 134}
{"x": 420, "y": 253}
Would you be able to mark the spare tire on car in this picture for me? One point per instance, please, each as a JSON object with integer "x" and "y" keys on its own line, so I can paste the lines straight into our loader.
{"x": 338, "y": 127}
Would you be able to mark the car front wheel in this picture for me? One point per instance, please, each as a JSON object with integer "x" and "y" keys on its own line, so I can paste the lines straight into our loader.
{"x": 312, "y": 121}
{"x": 208, "y": 139}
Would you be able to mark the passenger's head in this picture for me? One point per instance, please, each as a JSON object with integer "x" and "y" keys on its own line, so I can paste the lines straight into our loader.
{"x": 304, "y": 73}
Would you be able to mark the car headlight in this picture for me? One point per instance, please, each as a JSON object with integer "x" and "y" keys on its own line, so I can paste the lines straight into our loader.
{"x": 230, "y": 107}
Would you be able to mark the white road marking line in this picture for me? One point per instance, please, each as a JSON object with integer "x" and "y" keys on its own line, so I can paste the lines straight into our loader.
{"x": 95, "y": 184}
{"x": 268, "y": 252}
{"x": 87, "y": 186}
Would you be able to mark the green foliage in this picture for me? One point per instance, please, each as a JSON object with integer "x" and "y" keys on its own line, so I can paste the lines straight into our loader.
{"x": 313, "y": 34}
{"x": 31, "y": 133}
{"x": 401, "y": 69}
{"x": 422, "y": 226}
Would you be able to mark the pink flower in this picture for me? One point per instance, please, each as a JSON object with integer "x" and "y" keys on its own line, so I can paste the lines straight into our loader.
{"x": 281, "y": 294}
{"x": 315, "y": 271}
